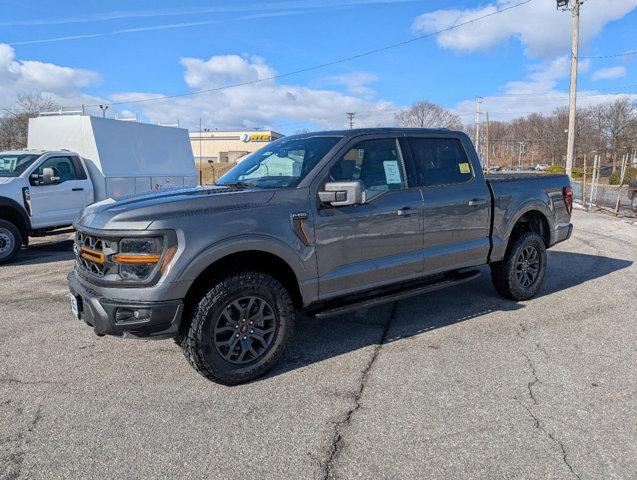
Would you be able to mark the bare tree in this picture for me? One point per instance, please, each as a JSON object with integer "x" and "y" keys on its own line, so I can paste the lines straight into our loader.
{"x": 14, "y": 123}
{"x": 428, "y": 115}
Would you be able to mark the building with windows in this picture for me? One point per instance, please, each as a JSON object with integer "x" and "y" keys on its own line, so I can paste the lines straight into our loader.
{"x": 228, "y": 147}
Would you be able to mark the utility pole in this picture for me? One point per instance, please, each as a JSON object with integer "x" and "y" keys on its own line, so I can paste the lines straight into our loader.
{"x": 200, "y": 170}
{"x": 488, "y": 145}
{"x": 351, "y": 116}
{"x": 478, "y": 103}
{"x": 572, "y": 100}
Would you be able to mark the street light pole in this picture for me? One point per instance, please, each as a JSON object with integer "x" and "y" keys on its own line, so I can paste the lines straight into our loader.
{"x": 572, "y": 100}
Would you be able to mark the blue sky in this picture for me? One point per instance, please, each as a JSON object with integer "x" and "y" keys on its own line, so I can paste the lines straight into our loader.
{"x": 94, "y": 52}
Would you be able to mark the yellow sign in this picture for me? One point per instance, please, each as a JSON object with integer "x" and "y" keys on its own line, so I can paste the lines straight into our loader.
{"x": 255, "y": 137}
{"x": 464, "y": 168}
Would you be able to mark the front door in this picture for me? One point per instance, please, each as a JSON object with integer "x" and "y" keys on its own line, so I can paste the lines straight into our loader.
{"x": 380, "y": 241}
{"x": 59, "y": 203}
{"x": 456, "y": 204}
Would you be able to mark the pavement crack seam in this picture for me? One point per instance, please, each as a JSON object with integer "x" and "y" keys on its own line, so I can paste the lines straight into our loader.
{"x": 533, "y": 382}
{"x": 552, "y": 437}
{"x": 340, "y": 425}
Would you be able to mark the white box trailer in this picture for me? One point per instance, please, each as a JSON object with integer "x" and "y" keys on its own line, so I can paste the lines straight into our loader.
{"x": 122, "y": 157}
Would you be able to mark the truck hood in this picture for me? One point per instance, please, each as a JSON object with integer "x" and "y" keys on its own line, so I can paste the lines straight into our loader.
{"x": 139, "y": 211}
{"x": 4, "y": 180}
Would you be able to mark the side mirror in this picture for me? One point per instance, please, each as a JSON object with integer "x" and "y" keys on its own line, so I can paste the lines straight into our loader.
{"x": 339, "y": 194}
{"x": 48, "y": 176}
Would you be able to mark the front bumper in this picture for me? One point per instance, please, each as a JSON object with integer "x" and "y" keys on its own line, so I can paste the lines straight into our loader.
{"x": 97, "y": 310}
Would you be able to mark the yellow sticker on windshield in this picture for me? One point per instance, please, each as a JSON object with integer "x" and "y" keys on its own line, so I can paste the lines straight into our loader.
{"x": 464, "y": 168}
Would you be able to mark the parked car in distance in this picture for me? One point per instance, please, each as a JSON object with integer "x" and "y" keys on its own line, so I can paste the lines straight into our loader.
{"x": 540, "y": 167}
{"x": 326, "y": 223}
{"x": 72, "y": 161}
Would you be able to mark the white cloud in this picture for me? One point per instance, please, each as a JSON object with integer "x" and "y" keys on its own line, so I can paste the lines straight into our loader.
{"x": 609, "y": 73}
{"x": 62, "y": 84}
{"x": 355, "y": 83}
{"x": 267, "y": 103}
{"x": 536, "y": 93}
{"x": 542, "y": 30}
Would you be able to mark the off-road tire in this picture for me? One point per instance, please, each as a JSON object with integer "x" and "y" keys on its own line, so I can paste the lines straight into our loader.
{"x": 503, "y": 273}
{"x": 198, "y": 342}
{"x": 633, "y": 202}
{"x": 9, "y": 233}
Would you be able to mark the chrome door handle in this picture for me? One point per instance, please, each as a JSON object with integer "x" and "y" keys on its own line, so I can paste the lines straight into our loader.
{"x": 404, "y": 212}
{"x": 476, "y": 202}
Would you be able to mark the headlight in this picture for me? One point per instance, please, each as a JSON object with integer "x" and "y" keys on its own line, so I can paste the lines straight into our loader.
{"x": 138, "y": 257}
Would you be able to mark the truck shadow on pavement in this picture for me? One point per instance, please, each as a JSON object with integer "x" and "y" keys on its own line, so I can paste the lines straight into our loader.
{"x": 317, "y": 340}
{"x": 49, "y": 252}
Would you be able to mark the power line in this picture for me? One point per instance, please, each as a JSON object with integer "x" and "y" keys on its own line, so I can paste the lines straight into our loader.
{"x": 327, "y": 64}
{"x": 614, "y": 55}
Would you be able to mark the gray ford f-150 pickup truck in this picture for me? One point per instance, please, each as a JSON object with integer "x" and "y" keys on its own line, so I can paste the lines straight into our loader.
{"x": 326, "y": 223}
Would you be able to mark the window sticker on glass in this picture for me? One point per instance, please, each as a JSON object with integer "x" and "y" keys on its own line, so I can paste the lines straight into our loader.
{"x": 464, "y": 168}
{"x": 392, "y": 171}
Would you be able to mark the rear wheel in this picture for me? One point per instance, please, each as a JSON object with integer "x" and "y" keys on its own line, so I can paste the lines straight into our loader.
{"x": 10, "y": 241}
{"x": 239, "y": 328}
{"x": 633, "y": 202}
{"x": 520, "y": 273}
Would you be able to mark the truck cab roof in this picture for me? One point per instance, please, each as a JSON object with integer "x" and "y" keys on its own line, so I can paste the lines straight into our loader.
{"x": 377, "y": 130}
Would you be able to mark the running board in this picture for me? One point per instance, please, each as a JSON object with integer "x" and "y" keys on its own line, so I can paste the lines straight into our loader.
{"x": 394, "y": 295}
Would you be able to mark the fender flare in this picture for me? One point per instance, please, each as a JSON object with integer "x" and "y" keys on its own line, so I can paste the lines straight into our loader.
{"x": 243, "y": 243}
{"x": 7, "y": 203}
{"x": 529, "y": 206}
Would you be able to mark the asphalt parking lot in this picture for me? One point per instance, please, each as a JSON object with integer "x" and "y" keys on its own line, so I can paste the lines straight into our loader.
{"x": 454, "y": 384}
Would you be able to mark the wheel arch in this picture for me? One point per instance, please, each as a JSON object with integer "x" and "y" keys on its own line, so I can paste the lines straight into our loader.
{"x": 532, "y": 220}
{"x": 242, "y": 260}
{"x": 11, "y": 211}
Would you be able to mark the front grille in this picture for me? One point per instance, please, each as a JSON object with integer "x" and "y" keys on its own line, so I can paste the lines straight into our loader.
{"x": 92, "y": 254}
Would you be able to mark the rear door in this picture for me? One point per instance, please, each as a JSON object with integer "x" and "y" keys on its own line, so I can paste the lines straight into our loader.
{"x": 59, "y": 203}
{"x": 456, "y": 203}
{"x": 380, "y": 241}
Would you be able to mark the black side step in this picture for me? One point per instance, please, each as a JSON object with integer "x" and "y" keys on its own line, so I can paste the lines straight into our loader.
{"x": 395, "y": 295}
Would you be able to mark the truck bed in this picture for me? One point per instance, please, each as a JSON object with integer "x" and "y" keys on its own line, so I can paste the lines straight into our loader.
{"x": 521, "y": 192}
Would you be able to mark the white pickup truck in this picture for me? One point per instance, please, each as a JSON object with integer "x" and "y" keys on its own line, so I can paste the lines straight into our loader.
{"x": 73, "y": 161}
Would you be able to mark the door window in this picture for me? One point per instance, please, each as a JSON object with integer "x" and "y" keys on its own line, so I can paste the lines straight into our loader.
{"x": 440, "y": 161}
{"x": 377, "y": 163}
{"x": 63, "y": 167}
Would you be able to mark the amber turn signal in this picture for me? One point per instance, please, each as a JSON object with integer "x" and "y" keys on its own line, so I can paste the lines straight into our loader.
{"x": 92, "y": 255}
{"x": 136, "y": 258}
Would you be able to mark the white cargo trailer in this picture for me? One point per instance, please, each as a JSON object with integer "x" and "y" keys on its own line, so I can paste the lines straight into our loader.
{"x": 122, "y": 157}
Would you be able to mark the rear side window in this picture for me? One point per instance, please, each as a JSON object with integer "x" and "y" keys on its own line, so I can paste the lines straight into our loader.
{"x": 440, "y": 161}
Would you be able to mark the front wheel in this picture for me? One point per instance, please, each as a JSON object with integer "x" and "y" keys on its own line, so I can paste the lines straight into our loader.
{"x": 519, "y": 274}
{"x": 239, "y": 328}
{"x": 10, "y": 241}
{"x": 633, "y": 202}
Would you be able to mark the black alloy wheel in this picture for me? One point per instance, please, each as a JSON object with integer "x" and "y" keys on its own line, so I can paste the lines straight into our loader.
{"x": 244, "y": 330}
{"x": 527, "y": 266}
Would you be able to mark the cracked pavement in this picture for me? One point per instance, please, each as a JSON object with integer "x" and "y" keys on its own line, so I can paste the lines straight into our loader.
{"x": 454, "y": 384}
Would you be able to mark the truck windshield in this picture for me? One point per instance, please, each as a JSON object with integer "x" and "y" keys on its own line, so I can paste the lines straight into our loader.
{"x": 12, "y": 165}
{"x": 280, "y": 164}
